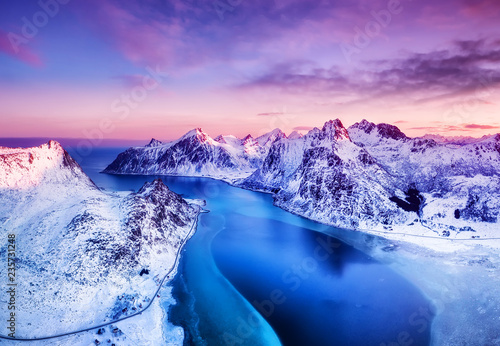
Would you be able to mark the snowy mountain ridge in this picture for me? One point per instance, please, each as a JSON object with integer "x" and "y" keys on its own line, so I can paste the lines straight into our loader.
{"x": 368, "y": 176}
{"x": 197, "y": 154}
{"x": 23, "y": 168}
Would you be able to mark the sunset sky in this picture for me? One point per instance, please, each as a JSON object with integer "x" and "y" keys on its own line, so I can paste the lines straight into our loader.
{"x": 158, "y": 68}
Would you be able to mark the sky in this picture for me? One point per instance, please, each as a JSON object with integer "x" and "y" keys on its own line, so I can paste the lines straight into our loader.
{"x": 133, "y": 70}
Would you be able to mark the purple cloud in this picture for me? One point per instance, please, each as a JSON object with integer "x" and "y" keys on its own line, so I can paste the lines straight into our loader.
{"x": 481, "y": 127}
{"x": 303, "y": 128}
{"x": 462, "y": 68}
{"x": 455, "y": 128}
{"x": 481, "y": 8}
{"x": 21, "y": 53}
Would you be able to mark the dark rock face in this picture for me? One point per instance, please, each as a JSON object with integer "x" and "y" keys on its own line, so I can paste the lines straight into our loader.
{"x": 154, "y": 143}
{"x": 326, "y": 177}
{"x": 390, "y": 131}
{"x": 421, "y": 145}
{"x": 333, "y": 130}
{"x": 194, "y": 152}
{"x": 412, "y": 201}
{"x": 384, "y": 130}
{"x": 477, "y": 209}
{"x": 130, "y": 156}
{"x": 365, "y": 126}
{"x": 220, "y": 139}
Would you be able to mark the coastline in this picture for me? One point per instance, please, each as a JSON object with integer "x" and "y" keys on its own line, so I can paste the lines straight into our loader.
{"x": 417, "y": 234}
{"x": 123, "y": 321}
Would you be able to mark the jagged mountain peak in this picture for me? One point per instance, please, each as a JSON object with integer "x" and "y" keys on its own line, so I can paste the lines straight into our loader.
{"x": 199, "y": 134}
{"x": 155, "y": 185}
{"x": 295, "y": 135}
{"x": 220, "y": 139}
{"x": 335, "y": 129}
{"x": 365, "y": 126}
{"x": 53, "y": 145}
{"x": 271, "y": 137}
{"x": 391, "y": 131}
{"x": 154, "y": 143}
{"x": 457, "y": 140}
{"x": 249, "y": 141}
{"x": 368, "y": 129}
{"x": 157, "y": 191}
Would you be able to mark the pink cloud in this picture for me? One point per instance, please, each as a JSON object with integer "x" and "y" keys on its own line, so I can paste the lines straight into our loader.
{"x": 462, "y": 128}
{"x": 303, "y": 128}
{"x": 139, "y": 41}
{"x": 481, "y": 127}
{"x": 269, "y": 114}
{"x": 143, "y": 37}
{"x": 481, "y": 8}
{"x": 22, "y": 52}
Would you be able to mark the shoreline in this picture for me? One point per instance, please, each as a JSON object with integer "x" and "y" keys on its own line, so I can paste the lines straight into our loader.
{"x": 160, "y": 286}
{"x": 429, "y": 242}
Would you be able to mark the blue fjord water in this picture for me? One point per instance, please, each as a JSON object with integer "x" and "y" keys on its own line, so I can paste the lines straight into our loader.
{"x": 254, "y": 274}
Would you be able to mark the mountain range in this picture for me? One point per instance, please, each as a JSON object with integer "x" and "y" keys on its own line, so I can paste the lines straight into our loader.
{"x": 368, "y": 176}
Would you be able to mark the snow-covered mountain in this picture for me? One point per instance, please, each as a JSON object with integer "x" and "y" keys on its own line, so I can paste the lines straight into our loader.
{"x": 197, "y": 154}
{"x": 460, "y": 140}
{"x": 326, "y": 177}
{"x": 81, "y": 251}
{"x": 23, "y": 168}
{"x": 459, "y": 183}
{"x": 425, "y": 162}
{"x": 368, "y": 176}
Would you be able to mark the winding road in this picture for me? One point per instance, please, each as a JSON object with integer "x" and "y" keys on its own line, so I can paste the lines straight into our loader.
{"x": 176, "y": 261}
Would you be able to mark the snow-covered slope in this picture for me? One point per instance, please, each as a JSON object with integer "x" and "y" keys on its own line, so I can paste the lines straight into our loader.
{"x": 424, "y": 161}
{"x": 23, "y": 168}
{"x": 80, "y": 251}
{"x": 460, "y": 183}
{"x": 197, "y": 154}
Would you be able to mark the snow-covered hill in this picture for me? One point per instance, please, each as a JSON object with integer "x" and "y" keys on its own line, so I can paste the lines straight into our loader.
{"x": 23, "y": 168}
{"x": 81, "y": 251}
{"x": 197, "y": 154}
